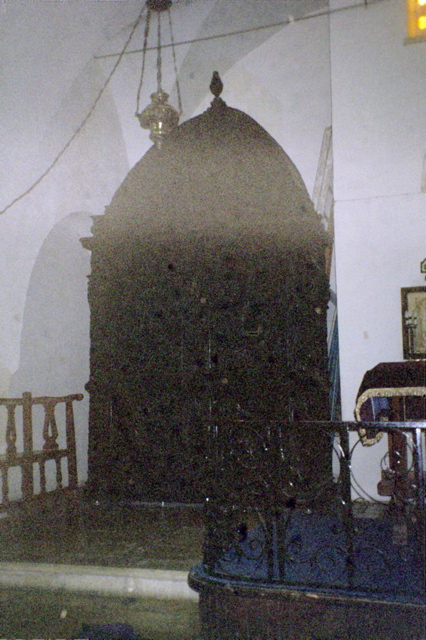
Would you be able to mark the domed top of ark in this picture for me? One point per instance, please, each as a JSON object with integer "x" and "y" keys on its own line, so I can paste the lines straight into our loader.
{"x": 215, "y": 174}
{"x": 208, "y": 298}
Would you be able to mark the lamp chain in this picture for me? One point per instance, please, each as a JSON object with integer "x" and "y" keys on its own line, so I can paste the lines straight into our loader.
{"x": 159, "y": 74}
{"x": 145, "y": 44}
{"x": 159, "y": 116}
{"x": 174, "y": 62}
{"x": 159, "y": 58}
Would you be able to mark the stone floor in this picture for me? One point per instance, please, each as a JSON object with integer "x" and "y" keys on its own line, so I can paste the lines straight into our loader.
{"x": 31, "y": 613}
{"x": 115, "y": 534}
{"x": 78, "y": 531}
{"x": 106, "y": 534}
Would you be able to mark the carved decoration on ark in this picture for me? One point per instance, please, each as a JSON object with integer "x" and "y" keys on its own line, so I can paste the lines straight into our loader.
{"x": 208, "y": 299}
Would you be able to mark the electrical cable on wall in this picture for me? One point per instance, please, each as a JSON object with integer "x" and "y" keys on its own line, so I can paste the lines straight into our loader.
{"x": 124, "y": 52}
{"x": 87, "y": 117}
{"x": 239, "y": 32}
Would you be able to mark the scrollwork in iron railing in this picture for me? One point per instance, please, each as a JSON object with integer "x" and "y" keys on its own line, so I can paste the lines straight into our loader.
{"x": 243, "y": 547}
{"x": 311, "y": 549}
{"x": 240, "y": 477}
{"x": 281, "y": 511}
{"x": 261, "y": 476}
{"x": 389, "y": 532}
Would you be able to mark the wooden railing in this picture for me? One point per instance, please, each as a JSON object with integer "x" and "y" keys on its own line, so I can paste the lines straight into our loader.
{"x": 25, "y": 456}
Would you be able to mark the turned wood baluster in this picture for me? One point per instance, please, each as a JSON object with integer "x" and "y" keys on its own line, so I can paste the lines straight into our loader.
{"x": 27, "y": 459}
{"x": 5, "y": 485}
{"x": 10, "y": 450}
{"x": 11, "y": 430}
{"x": 70, "y": 435}
{"x": 42, "y": 467}
{"x": 50, "y": 435}
{"x": 59, "y": 484}
{"x": 27, "y": 465}
{"x": 50, "y": 429}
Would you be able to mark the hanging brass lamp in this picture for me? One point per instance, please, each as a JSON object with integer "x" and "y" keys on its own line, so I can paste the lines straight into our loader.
{"x": 159, "y": 116}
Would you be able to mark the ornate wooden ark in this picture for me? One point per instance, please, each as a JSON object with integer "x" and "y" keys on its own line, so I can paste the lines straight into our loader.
{"x": 208, "y": 300}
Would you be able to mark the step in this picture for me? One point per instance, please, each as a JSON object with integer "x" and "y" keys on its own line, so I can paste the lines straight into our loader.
{"x": 149, "y": 583}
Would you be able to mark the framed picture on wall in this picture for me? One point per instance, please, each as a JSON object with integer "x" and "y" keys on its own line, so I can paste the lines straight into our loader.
{"x": 413, "y": 306}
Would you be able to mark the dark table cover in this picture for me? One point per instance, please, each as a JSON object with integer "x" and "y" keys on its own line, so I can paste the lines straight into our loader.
{"x": 411, "y": 373}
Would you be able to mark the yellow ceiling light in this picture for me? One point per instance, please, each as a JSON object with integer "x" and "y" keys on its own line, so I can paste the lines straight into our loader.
{"x": 416, "y": 20}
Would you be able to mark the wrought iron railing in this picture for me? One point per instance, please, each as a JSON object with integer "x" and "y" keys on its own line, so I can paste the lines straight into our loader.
{"x": 283, "y": 512}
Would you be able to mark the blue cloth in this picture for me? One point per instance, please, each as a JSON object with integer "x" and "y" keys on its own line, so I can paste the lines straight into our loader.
{"x": 112, "y": 631}
{"x": 378, "y": 405}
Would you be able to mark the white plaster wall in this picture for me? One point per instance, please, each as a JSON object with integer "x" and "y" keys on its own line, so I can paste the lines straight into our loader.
{"x": 47, "y": 90}
{"x": 283, "y": 78}
{"x": 379, "y": 94}
{"x": 44, "y": 325}
{"x": 55, "y": 341}
{"x": 379, "y": 120}
{"x": 381, "y": 242}
{"x": 51, "y": 76}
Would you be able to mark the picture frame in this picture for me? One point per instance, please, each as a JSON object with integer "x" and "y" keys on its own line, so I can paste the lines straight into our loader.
{"x": 413, "y": 309}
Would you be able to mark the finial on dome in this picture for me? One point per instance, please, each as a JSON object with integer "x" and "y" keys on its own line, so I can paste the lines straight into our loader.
{"x": 158, "y": 5}
{"x": 216, "y": 85}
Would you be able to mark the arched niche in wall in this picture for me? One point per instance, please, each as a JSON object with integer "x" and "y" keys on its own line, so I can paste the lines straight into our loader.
{"x": 55, "y": 341}
{"x": 84, "y": 179}
{"x": 208, "y": 298}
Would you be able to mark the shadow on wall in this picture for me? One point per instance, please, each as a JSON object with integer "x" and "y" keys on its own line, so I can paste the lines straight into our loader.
{"x": 55, "y": 339}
